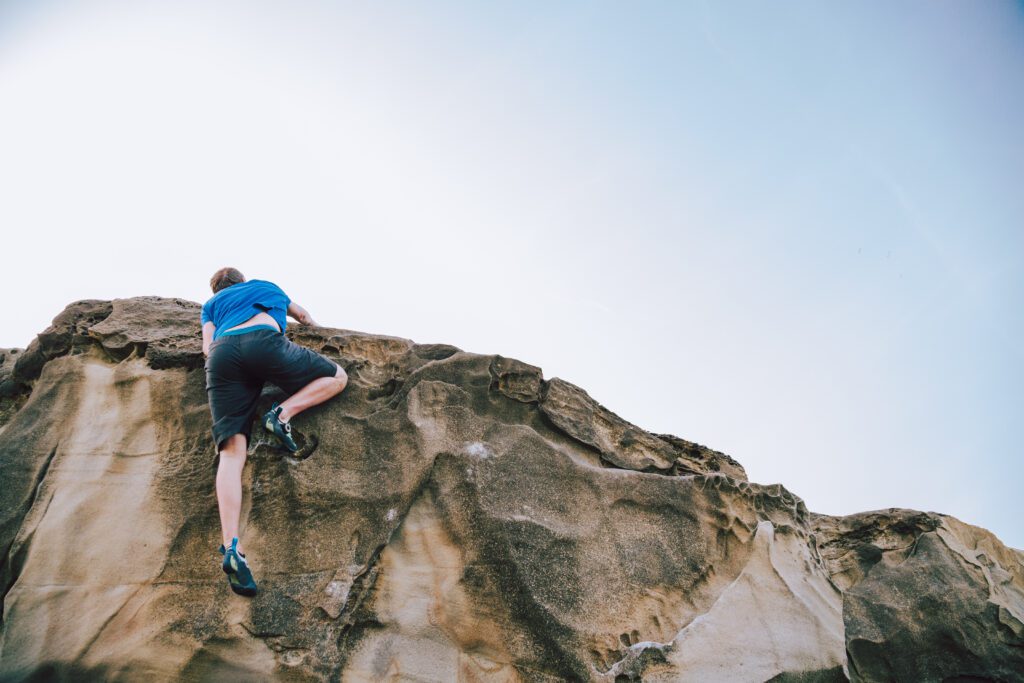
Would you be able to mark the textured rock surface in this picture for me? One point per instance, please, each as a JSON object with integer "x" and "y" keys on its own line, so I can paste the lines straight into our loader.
{"x": 462, "y": 519}
{"x": 926, "y": 597}
{"x": 12, "y": 394}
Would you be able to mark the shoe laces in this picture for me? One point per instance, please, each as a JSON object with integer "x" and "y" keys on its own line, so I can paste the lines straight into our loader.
{"x": 233, "y": 548}
{"x": 276, "y": 411}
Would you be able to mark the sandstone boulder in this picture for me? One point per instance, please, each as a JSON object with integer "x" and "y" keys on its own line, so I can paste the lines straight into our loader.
{"x": 462, "y": 518}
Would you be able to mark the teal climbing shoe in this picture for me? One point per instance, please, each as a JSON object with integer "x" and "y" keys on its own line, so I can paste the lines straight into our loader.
{"x": 237, "y": 569}
{"x": 282, "y": 430}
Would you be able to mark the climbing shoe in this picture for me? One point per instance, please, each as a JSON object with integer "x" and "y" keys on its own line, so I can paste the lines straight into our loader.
{"x": 237, "y": 569}
{"x": 282, "y": 430}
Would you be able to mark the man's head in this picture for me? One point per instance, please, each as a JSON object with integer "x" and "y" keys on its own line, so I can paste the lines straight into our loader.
{"x": 224, "y": 278}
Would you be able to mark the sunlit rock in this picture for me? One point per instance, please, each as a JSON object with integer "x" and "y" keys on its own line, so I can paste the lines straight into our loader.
{"x": 461, "y": 518}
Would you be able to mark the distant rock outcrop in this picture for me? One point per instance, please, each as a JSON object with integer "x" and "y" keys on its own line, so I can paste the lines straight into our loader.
{"x": 462, "y": 519}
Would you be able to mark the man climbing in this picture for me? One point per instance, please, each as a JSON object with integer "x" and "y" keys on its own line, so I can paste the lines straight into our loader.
{"x": 243, "y": 340}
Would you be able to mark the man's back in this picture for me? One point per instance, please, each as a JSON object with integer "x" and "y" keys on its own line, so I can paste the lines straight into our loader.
{"x": 236, "y": 304}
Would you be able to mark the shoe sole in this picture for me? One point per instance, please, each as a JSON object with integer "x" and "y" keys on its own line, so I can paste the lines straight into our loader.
{"x": 307, "y": 446}
{"x": 238, "y": 588}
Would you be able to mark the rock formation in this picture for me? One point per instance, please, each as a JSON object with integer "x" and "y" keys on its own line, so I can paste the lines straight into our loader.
{"x": 461, "y": 519}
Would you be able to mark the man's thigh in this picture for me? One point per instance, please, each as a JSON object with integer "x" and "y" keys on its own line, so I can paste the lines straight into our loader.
{"x": 233, "y": 393}
{"x": 291, "y": 366}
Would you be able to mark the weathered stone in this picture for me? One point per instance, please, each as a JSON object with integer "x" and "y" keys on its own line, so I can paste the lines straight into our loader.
{"x": 926, "y": 597}
{"x": 68, "y": 333}
{"x": 516, "y": 379}
{"x": 12, "y": 393}
{"x": 165, "y": 331}
{"x": 461, "y": 519}
{"x": 624, "y": 445}
{"x": 693, "y": 458}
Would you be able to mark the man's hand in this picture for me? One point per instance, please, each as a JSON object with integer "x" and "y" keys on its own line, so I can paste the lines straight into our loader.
{"x": 301, "y": 314}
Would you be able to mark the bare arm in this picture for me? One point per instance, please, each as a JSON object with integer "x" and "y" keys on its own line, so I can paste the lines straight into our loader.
{"x": 301, "y": 314}
{"x": 208, "y": 330}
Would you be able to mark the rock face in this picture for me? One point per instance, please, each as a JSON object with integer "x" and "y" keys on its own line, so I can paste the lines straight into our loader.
{"x": 462, "y": 519}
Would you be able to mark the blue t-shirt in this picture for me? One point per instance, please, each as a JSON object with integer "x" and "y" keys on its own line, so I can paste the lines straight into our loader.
{"x": 235, "y": 304}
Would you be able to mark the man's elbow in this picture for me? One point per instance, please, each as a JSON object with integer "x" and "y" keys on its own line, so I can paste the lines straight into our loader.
{"x": 303, "y": 316}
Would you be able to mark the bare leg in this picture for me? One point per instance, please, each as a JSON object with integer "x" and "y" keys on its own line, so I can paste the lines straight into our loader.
{"x": 229, "y": 487}
{"x": 314, "y": 393}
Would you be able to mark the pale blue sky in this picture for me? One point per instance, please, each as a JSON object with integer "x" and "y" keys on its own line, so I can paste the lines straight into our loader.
{"x": 791, "y": 231}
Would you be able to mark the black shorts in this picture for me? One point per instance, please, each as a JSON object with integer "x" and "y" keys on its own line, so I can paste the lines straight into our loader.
{"x": 238, "y": 366}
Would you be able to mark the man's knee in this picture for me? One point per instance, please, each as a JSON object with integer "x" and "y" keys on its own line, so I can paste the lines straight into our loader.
{"x": 234, "y": 447}
{"x": 341, "y": 377}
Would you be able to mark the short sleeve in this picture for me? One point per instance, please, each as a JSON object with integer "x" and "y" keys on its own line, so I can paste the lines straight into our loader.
{"x": 205, "y": 317}
{"x": 287, "y": 299}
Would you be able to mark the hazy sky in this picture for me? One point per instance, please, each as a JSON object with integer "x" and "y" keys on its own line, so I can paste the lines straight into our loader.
{"x": 793, "y": 231}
